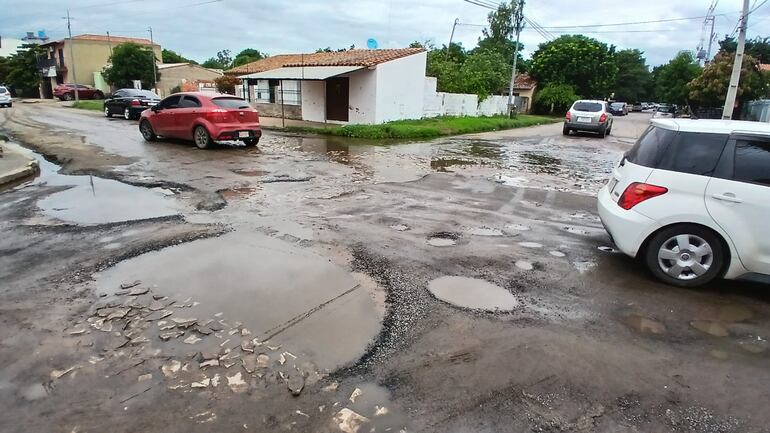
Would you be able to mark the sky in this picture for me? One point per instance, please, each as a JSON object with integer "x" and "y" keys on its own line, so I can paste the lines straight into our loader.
{"x": 197, "y": 29}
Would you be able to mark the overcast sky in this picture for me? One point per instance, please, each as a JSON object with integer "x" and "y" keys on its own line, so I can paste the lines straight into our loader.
{"x": 198, "y": 30}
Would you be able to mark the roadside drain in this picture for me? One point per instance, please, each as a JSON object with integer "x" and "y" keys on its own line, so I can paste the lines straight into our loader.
{"x": 472, "y": 293}
{"x": 443, "y": 239}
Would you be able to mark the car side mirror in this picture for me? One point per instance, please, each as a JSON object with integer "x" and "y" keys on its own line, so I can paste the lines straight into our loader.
{"x": 155, "y": 108}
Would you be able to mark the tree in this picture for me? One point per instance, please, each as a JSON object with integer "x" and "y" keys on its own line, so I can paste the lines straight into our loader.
{"x": 759, "y": 48}
{"x": 710, "y": 88}
{"x": 632, "y": 82}
{"x": 672, "y": 78}
{"x": 223, "y": 60}
{"x": 131, "y": 61}
{"x": 498, "y": 36}
{"x": 554, "y": 98}
{"x": 226, "y": 84}
{"x": 169, "y": 56}
{"x": 20, "y": 70}
{"x": 582, "y": 62}
{"x": 247, "y": 56}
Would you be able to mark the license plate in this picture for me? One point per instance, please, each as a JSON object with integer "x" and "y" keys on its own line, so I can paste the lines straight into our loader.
{"x": 243, "y": 134}
{"x": 584, "y": 119}
{"x": 150, "y": 104}
{"x": 612, "y": 184}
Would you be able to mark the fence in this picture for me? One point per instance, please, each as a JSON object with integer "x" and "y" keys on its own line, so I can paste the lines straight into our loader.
{"x": 459, "y": 104}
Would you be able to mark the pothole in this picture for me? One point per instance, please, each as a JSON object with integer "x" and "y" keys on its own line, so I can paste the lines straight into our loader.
{"x": 485, "y": 231}
{"x": 400, "y": 227}
{"x": 524, "y": 266}
{"x": 443, "y": 239}
{"x": 518, "y": 227}
{"x": 644, "y": 324}
{"x": 530, "y": 245}
{"x": 472, "y": 293}
{"x": 556, "y": 253}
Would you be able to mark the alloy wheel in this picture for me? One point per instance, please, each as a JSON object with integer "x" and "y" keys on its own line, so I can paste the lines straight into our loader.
{"x": 685, "y": 257}
{"x": 127, "y": 114}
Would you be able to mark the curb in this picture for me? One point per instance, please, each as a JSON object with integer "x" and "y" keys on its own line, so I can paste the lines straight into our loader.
{"x": 29, "y": 170}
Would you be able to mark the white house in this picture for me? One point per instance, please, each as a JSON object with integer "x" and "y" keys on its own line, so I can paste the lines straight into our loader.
{"x": 355, "y": 86}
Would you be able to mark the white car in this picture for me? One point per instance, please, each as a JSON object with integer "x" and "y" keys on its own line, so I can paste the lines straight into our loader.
{"x": 691, "y": 199}
{"x": 5, "y": 97}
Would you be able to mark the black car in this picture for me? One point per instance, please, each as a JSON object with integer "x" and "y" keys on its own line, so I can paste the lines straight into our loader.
{"x": 619, "y": 108}
{"x": 129, "y": 103}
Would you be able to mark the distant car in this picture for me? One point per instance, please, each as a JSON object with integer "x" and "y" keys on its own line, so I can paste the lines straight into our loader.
{"x": 5, "y": 97}
{"x": 637, "y": 108}
{"x": 203, "y": 118}
{"x": 130, "y": 103}
{"x": 66, "y": 92}
{"x": 664, "y": 111}
{"x": 588, "y": 115}
{"x": 619, "y": 108}
{"x": 691, "y": 200}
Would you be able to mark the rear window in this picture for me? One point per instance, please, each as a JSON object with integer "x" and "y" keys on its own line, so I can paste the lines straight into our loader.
{"x": 587, "y": 106}
{"x": 617, "y": 105}
{"x": 665, "y": 109}
{"x": 649, "y": 149}
{"x": 752, "y": 162}
{"x": 3, "y": 89}
{"x": 230, "y": 102}
{"x": 143, "y": 93}
{"x": 694, "y": 153}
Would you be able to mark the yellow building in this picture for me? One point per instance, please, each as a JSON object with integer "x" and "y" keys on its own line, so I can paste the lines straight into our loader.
{"x": 91, "y": 53}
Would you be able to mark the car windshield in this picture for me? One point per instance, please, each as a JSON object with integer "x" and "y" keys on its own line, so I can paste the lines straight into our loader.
{"x": 587, "y": 106}
{"x": 617, "y": 105}
{"x": 230, "y": 102}
{"x": 665, "y": 109}
{"x": 142, "y": 93}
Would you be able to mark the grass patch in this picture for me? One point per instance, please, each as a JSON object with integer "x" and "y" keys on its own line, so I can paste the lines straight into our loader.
{"x": 89, "y": 105}
{"x": 428, "y": 128}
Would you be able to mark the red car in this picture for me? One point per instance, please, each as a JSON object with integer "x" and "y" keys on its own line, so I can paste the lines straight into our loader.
{"x": 66, "y": 92}
{"x": 203, "y": 118}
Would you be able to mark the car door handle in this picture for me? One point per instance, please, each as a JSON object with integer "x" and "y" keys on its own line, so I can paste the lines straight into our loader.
{"x": 728, "y": 196}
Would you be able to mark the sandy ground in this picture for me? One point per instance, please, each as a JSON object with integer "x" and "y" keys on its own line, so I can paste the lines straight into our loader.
{"x": 306, "y": 286}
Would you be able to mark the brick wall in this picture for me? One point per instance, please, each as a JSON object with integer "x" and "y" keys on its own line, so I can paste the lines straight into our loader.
{"x": 274, "y": 110}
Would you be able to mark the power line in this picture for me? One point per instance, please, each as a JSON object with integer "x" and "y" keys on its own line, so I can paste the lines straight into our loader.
{"x": 667, "y": 20}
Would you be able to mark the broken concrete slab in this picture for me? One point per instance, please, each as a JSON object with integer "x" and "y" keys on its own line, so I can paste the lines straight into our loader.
{"x": 166, "y": 336}
{"x": 236, "y": 383}
{"x": 296, "y": 383}
{"x": 263, "y": 361}
{"x": 210, "y": 363}
{"x": 249, "y": 363}
{"x": 348, "y": 421}
{"x": 184, "y": 322}
{"x": 156, "y": 305}
{"x": 58, "y": 374}
{"x": 132, "y": 284}
{"x": 171, "y": 368}
{"x": 193, "y": 339}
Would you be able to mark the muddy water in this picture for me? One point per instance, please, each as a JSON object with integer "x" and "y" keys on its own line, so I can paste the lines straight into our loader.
{"x": 644, "y": 324}
{"x": 472, "y": 293}
{"x": 264, "y": 283}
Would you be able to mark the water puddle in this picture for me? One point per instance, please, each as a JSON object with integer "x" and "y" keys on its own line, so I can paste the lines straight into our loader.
{"x": 400, "y": 227}
{"x": 518, "y": 227}
{"x": 710, "y": 327}
{"x": 264, "y": 283}
{"x": 237, "y": 193}
{"x": 443, "y": 239}
{"x": 530, "y": 245}
{"x": 443, "y": 164}
{"x": 557, "y": 253}
{"x": 251, "y": 173}
{"x": 524, "y": 266}
{"x": 644, "y": 325}
{"x": 472, "y": 293}
{"x": 369, "y": 407}
{"x": 485, "y": 231}
{"x": 583, "y": 267}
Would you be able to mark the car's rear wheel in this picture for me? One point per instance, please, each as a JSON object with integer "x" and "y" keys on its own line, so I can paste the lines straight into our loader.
{"x": 146, "y": 129}
{"x": 250, "y": 142}
{"x": 603, "y": 132}
{"x": 107, "y": 112}
{"x": 565, "y": 130}
{"x": 685, "y": 255}
{"x": 67, "y": 97}
{"x": 202, "y": 137}
{"x": 127, "y": 114}
{"x": 98, "y": 95}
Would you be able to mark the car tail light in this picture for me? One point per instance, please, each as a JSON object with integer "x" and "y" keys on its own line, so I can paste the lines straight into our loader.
{"x": 216, "y": 115}
{"x": 603, "y": 118}
{"x": 569, "y": 116}
{"x": 638, "y": 192}
{"x": 135, "y": 103}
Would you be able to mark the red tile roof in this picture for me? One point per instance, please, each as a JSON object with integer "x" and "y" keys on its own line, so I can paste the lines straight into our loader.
{"x": 524, "y": 81}
{"x": 366, "y": 58}
{"x": 764, "y": 67}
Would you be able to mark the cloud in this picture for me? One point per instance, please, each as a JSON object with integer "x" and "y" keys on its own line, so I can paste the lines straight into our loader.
{"x": 277, "y": 26}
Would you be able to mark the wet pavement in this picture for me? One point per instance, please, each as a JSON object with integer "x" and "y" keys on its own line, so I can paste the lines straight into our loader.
{"x": 328, "y": 285}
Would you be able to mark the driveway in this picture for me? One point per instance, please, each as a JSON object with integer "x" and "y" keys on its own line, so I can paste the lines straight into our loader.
{"x": 314, "y": 284}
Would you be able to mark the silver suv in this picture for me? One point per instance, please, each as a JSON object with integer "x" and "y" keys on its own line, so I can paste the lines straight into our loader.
{"x": 590, "y": 116}
{"x": 5, "y": 97}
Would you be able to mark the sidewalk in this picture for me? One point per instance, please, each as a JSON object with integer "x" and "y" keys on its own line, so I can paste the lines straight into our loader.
{"x": 15, "y": 166}
{"x": 277, "y": 123}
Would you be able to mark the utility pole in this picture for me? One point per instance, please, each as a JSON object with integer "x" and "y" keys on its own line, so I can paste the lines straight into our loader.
{"x": 732, "y": 90}
{"x": 711, "y": 40}
{"x": 109, "y": 42}
{"x": 518, "y": 22}
{"x": 452, "y": 37}
{"x": 72, "y": 57}
{"x": 154, "y": 60}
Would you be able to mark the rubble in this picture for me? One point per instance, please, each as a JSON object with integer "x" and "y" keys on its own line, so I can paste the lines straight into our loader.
{"x": 296, "y": 383}
{"x": 171, "y": 368}
{"x": 138, "y": 291}
{"x": 236, "y": 383}
{"x": 348, "y": 421}
{"x": 249, "y": 363}
{"x": 58, "y": 374}
{"x": 166, "y": 336}
{"x": 356, "y": 393}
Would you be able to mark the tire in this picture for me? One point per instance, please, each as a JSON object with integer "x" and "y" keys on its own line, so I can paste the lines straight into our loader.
{"x": 98, "y": 95}
{"x": 107, "y": 112}
{"x": 686, "y": 255}
{"x": 202, "y": 138}
{"x": 67, "y": 97}
{"x": 565, "y": 130}
{"x": 251, "y": 142}
{"x": 145, "y": 127}
{"x": 127, "y": 114}
{"x": 603, "y": 132}
{"x": 609, "y": 131}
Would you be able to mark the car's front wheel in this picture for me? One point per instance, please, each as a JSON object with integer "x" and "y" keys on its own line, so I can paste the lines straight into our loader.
{"x": 146, "y": 129}
{"x": 127, "y": 114}
{"x": 686, "y": 255}
{"x": 107, "y": 112}
{"x": 202, "y": 137}
{"x": 98, "y": 95}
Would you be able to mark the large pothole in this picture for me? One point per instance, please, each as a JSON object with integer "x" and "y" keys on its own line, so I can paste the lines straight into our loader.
{"x": 472, "y": 293}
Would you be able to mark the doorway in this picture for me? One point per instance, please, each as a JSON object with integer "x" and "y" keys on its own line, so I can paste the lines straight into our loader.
{"x": 337, "y": 98}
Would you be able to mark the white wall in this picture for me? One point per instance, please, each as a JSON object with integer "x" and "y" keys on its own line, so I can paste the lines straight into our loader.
{"x": 400, "y": 88}
{"x": 363, "y": 96}
{"x": 313, "y": 101}
{"x": 459, "y": 104}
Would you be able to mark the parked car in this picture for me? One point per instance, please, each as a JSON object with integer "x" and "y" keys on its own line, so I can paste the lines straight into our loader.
{"x": 691, "y": 200}
{"x": 619, "y": 108}
{"x": 664, "y": 111}
{"x": 637, "y": 108}
{"x": 130, "y": 103}
{"x": 589, "y": 115}
{"x": 5, "y": 97}
{"x": 203, "y": 118}
{"x": 66, "y": 92}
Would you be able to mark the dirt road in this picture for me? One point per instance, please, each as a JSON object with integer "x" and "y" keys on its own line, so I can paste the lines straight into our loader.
{"x": 457, "y": 285}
